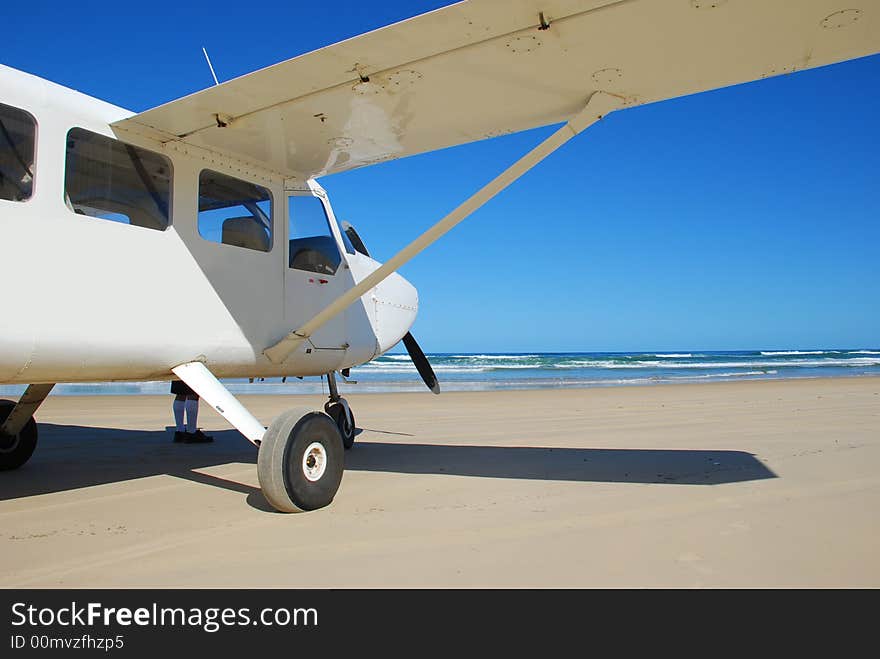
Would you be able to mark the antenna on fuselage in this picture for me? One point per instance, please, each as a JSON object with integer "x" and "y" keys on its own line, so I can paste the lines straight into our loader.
{"x": 210, "y": 66}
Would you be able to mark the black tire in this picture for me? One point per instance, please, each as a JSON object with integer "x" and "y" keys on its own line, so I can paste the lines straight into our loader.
{"x": 337, "y": 413}
{"x": 15, "y": 451}
{"x": 291, "y": 480}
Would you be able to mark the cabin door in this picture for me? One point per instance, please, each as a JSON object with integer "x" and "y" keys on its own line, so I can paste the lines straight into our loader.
{"x": 316, "y": 275}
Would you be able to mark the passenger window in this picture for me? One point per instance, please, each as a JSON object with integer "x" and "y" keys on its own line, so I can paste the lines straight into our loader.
{"x": 312, "y": 245}
{"x": 234, "y": 212}
{"x": 17, "y": 137}
{"x": 112, "y": 180}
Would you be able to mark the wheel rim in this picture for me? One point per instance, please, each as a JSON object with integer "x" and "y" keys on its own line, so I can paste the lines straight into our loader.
{"x": 314, "y": 462}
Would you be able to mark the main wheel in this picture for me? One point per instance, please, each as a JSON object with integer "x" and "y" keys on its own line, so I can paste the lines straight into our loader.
{"x": 346, "y": 426}
{"x": 301, "y": 460}
{"x": 15, "y": 450}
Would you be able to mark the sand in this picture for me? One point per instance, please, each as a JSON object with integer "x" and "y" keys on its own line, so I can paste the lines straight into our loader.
{"x": 728, "y": 484}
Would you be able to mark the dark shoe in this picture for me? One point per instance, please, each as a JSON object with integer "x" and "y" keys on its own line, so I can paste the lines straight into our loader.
{"x": 179, "y": 436}
{"x": 197, "y": 437}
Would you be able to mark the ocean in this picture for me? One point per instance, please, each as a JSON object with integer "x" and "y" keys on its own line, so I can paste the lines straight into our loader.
{"x": 489, "y": 371}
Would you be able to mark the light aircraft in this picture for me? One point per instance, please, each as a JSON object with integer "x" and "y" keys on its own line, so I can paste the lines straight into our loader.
{"x": 103, "y": 212}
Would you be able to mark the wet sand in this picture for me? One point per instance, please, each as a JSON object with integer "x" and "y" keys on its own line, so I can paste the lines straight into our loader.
{"x": 729, "y": 484}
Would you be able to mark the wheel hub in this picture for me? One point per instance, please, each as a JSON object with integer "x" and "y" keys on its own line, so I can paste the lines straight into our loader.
{"x": 314, "y": 462}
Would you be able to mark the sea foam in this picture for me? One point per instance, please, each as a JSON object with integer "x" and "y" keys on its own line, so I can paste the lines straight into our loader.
{"x": 784, "y": 353}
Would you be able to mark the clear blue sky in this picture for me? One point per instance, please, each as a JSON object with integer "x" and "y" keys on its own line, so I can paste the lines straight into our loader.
{"x": 743, "y": 218}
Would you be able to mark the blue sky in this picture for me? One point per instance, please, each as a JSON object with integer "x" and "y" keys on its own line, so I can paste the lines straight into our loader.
{"x": 747, "y": 217}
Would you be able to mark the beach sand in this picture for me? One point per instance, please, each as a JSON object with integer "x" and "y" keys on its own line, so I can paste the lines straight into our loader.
{"x": 773, "y": 483}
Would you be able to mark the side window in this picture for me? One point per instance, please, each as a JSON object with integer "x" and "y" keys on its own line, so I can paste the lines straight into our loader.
{"x": 18, "y": 132}
{"x": 312, "y": 245}
{"x": 234, "y": 212}
{"x": 112, "y": 180}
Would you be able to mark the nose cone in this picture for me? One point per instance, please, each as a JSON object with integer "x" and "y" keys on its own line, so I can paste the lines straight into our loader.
{"x": 396, "y": 303}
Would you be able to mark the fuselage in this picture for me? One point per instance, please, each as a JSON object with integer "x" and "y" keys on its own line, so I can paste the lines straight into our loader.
{"x": 92, "y": 292}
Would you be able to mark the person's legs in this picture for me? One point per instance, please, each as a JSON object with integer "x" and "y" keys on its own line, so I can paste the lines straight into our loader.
{"x": 192, "y": 413}
{"x": 193, "y": 434}
{"x": 178, "y": 407}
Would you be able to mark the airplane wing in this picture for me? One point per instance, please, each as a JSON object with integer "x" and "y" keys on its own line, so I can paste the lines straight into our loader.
{"x": 482, "y": 68}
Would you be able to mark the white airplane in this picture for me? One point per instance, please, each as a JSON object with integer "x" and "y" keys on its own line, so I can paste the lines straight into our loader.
{"x": 106, "y": 215}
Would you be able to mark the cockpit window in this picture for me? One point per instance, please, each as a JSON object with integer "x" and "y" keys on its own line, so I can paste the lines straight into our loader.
{"x": 18, "y": 132}
{"x": 234, "y": 212}
{"x": 346, "y": 241}
{"x": 312, "y": 245}
{"x": 112, "y": 180}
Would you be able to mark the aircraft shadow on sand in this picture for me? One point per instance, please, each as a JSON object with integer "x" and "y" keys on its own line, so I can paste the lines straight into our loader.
{"x": 71, "y": 457}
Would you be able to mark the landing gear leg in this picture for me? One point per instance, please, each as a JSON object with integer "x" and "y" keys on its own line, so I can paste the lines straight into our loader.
{"x": 300, "y": 460}
{"x": 338, "y": 410}
{"x": 18, "y": 430}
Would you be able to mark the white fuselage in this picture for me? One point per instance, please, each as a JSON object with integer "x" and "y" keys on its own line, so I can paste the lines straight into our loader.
{"x": 87, "y": 299}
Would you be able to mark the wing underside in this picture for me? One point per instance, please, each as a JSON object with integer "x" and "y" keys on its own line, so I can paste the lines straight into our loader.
{"x": 484, "y": 68}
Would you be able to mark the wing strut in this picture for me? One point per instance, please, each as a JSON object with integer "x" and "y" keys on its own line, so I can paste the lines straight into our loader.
{"x": 598, "y": 105}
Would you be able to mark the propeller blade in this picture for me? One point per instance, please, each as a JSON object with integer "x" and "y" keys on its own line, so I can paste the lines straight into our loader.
{"x": 423, "y": 366}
